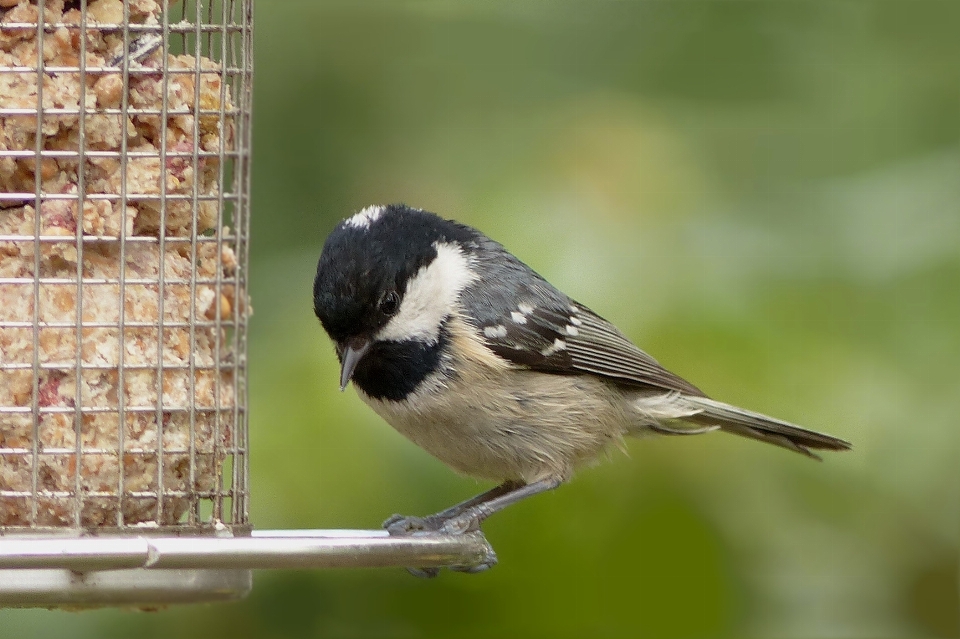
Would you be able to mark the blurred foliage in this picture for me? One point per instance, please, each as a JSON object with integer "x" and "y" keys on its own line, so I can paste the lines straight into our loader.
{"x": 765, "y": 195}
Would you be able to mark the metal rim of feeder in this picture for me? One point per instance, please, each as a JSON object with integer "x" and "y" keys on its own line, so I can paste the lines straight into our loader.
{"x": 151, "y": 571}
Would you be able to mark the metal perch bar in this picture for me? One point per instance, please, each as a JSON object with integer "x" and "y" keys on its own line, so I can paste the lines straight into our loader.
{"x": 264, "y": 549}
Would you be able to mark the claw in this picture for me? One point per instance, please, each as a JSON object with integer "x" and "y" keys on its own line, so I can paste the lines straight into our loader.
{"x": 465, "y": 519}
{"x": 489, "y": 561}
{"x": 401, "y": 526}
{"x": 463, "y": 524}
{"x": 398, "y": 525}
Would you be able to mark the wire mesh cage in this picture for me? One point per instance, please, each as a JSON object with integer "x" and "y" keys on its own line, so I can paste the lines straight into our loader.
{"x": 124, "y": 226}
{"x": 124, "y": 181}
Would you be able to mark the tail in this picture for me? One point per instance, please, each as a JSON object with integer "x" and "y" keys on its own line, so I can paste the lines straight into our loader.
{"x": 711, "y": 413}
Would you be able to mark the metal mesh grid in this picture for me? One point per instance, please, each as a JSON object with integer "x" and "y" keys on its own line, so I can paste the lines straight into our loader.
{"x": 124, "y": 182}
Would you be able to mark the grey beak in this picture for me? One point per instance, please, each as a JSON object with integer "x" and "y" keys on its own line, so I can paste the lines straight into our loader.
{"x": 353, "y": 352}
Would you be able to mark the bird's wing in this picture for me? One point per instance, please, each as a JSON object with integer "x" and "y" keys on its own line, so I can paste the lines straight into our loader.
{"x": 531, "y": 323}
{"x": 600, "y": 348}
{"x": 565, "y": 337}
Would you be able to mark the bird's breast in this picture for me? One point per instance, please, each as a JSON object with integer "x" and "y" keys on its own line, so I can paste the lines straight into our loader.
{"x": 486, "y": 418}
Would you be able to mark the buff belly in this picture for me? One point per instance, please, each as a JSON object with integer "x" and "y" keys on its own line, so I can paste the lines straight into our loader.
{"x": 542, "y": 426}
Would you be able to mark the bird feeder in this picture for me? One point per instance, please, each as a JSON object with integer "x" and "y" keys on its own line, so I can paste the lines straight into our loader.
{"x": 124, "y": 234}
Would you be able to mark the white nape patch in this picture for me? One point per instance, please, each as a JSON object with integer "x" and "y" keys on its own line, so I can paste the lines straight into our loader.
{"x": 494, "y": 332}
{"x": 576, "y": 321}
{"x": 518, "y": 317}
{"x": 526, "y": 309}
{"x": 558, "y": 345}
{"x": 430, "y": 298}
{"x": 573, "y": 331}
{"x": 366, "y": 217}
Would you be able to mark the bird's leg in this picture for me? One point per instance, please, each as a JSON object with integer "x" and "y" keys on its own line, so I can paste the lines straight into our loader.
{"x": 466, "y": 517}
{"x": 399, "y": 525}
{"x": 404, "y": 525}
{"x": 470, "y": 518}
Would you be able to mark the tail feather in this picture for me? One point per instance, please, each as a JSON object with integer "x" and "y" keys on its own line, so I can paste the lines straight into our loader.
{"x": 761, "y": 427}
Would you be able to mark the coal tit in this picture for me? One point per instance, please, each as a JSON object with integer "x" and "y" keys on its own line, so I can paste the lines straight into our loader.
{"x": 472, "y": 355}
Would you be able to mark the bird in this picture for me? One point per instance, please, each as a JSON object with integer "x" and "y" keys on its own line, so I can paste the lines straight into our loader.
{"x": 476, "y": 358}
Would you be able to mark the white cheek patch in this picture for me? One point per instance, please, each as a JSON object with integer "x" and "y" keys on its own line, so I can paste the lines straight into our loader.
{"x": 366, "y": 217}
{"x": 430, "y": 297}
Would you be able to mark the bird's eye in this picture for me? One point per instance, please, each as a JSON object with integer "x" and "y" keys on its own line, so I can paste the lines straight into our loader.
{"x": 390, "y": 303}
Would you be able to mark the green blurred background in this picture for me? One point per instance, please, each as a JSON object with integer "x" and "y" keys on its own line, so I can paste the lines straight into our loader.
{"x": 764, "y": 194}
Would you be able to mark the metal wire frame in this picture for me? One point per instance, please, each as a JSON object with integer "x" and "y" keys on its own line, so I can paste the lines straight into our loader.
{"x": 218, "y": 36}
{"x": 206, "y": 553}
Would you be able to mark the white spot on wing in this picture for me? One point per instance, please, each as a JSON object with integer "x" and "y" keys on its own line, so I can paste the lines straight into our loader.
{"x": 572, "y": 330}
{"x": 367, "y": 216}
{"x": 526, "y": 309}
{"x": 430, "y": 298}
{"x": 493, "y": 332}
{"x": 558, "y": 345}
{"x": 518, "y": 317}
{"x": 576, "y": 321}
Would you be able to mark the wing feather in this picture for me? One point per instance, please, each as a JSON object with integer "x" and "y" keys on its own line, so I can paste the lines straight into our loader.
{"x": 532, "y": 324}
{"x": 599, "y": 347}
{"x": 572, "y": 339}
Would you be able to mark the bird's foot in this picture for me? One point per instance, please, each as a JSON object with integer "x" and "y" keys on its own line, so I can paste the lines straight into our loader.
{"x": 462, "y": 524}
{"x": 404, "y": 526}
{"x": 465, "y": 522}
{"x": 424, "y": 573}
{"x": 489, "y": 561}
